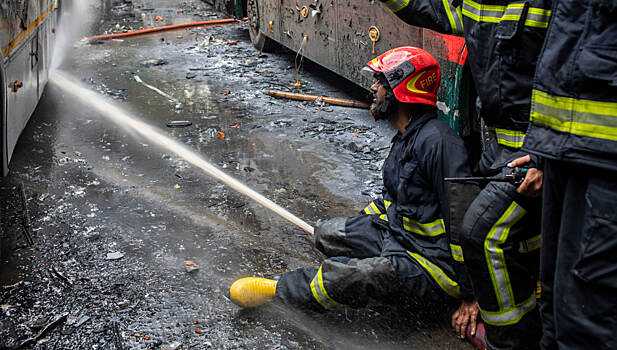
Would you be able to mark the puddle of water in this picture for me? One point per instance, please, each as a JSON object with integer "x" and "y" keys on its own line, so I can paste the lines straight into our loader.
{"x": 130, "y": 123}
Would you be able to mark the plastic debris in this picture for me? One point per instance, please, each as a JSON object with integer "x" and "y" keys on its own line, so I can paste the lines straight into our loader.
{"x": 220, "y": 134}
{"x": 114, "y": 256}
{"x": 226, "y": 92}
{"x": 190, "y": 266}
{"x": 81, "y": 321}
{"x": 153, "y": 62}
{"x": 179, "y": 123}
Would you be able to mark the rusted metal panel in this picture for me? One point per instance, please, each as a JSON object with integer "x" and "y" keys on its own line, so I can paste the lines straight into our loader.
{"x": 310, "y": 27}
{"x": 355, "y": 45}
{"x": 336, "y": 35}
{"x": 19, "y": 19}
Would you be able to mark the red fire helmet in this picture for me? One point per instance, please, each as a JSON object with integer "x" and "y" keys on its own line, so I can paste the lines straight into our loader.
{"x": 413, "y": 74}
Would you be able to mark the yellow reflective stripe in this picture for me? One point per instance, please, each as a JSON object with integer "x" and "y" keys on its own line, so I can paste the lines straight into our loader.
{"x": 23, "y": 34}
{"x": 387, "y": 204}
{"x": 531, "y": 244}
{"x": 484, "y": 7}
{"x": 576, "y": 116}
{"x": 457, "y": 252}
{"x": 448, "y": 10}
{"x": 536, "y": 17}
{"x": 396, "y": 5}
{"x": 495, "y": 257}
{"x": 509, "y": 316}
{"x": 430, "y": 229}
{"x": 319, "y": 292}
{"x": 537, "y": 24}
{"x": 446, "y": 283}
{"x": 539, "y": 11}
{"x": 459, "y": 13}
{"x": 510, "y": 138}
{"x": 372, "y": 209}
{"x": 383, "y": 217}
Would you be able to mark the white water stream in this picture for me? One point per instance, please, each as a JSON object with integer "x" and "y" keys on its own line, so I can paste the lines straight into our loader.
{"x": 124, "y": 119}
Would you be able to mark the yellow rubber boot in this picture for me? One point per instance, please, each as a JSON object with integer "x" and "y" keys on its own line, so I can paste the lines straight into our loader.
{"x": 252, "y": 291}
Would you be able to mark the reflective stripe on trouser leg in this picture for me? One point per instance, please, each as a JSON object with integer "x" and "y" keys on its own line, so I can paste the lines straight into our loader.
{"x": 446, "y": 283}
{"x": 509, "y": 312}
{"x": 341, "y": 280}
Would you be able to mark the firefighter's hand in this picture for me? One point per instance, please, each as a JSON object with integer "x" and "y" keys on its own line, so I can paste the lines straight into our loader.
{"x": 532, "y": 184}
{"x": 466, "y": 314}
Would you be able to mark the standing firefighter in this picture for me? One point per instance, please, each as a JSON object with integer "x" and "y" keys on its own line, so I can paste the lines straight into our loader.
{"x": 501, "y": 229}
{"x": 399, "y": 245}
{"x": 574, "y": 127}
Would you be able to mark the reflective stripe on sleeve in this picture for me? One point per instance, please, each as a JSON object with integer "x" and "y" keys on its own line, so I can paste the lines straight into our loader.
{"x": 510, "y": 138}
{"x": 509, "y": 316}
{"x": 454, "y": 17}
{"x": 457, "y": 252}
{"x": 319, "y": 292}
{"x": 372, "y": 209}
{"x": 430, "y": 229}
{"x": 396, "y": 5}
{"x": 576, "y": 116}
{"x": 495, "y": 257}
{"x": 536, "y": 17}
{"x": 446, "y": 283}
{"x": 531, "y": 244}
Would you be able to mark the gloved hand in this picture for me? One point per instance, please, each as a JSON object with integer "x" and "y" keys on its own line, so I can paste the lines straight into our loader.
{"x": 330, "y": 236}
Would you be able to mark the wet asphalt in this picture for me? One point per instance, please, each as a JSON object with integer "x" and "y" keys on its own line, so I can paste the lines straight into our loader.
{"x": 114, "y": 217}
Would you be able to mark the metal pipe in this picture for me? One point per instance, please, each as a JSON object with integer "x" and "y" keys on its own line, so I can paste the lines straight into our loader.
{"x": 331, "y": 100}
{"x": 165, "y": 28}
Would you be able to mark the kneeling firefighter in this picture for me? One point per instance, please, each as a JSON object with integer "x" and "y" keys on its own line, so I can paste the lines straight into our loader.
{"x": 400, "y": 245}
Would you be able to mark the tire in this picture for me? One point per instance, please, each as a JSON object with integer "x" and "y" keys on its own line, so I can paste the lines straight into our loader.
{"x": 261, "y": 42}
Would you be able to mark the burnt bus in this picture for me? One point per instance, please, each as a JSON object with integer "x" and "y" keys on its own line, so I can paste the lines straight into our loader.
{"x": 27, "y": 35}
{"x": 342, "y": 35}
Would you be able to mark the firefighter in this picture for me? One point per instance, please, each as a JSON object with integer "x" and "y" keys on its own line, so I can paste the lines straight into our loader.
{"x": 574, "y": 127}
{"x": 501, "y": 238}
{"x": 399, "y": 245}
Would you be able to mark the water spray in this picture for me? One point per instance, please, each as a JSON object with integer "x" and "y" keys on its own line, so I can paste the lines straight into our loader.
{"x": 123, "y": 118}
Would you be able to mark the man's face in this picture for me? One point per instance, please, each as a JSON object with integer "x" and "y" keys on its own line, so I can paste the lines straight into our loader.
{"x": 379, "y": 107}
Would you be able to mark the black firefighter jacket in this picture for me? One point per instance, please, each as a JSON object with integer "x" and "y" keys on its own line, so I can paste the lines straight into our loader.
{"x": 574, "y": 103}
{"x": 418, "y": 199}
{"x": 503, "y": 39}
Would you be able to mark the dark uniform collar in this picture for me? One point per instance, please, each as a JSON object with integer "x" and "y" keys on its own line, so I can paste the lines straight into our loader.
{"x": 415, "y": 124}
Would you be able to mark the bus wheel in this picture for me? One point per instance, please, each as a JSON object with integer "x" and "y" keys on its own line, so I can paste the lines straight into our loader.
{"x": 259, "y": 39}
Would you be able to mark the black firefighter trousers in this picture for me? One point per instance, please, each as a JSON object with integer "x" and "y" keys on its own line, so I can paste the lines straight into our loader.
{"x": 364, "y": 262}
{"x": 579, "y": 257}
{"x": 501, "y": 248}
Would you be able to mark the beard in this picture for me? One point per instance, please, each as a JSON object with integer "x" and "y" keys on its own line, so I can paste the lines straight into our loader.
{"x": 383, "y": 109}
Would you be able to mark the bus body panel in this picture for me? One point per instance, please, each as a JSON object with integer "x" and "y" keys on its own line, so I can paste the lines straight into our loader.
{"x": 26, "y": 40}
